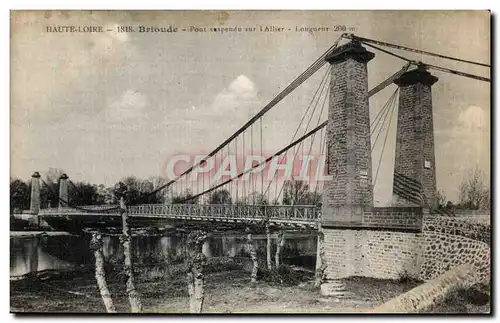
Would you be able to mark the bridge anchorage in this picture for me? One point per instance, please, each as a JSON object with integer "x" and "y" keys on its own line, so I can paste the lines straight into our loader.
{"x": 357, "y": 238}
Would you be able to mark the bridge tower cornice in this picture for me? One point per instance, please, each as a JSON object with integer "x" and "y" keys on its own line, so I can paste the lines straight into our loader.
{"x": 352, "y": 50}
{"x": 418, "y": 75}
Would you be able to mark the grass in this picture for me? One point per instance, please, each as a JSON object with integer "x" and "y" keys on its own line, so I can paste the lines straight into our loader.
{"x": 472, "y": 300}
{"x": 228, "y": 290}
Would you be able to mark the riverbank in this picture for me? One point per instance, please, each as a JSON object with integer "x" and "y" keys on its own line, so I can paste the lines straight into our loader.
{"x": 228, "y": 290}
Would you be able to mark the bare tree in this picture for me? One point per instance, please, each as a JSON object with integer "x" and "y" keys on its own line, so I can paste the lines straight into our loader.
{"x": 268, "y": 246}
{"x": 298, "y": 193}
{"x": 195, "y": 275}
{"x": 185, "y": 197}
{"x": 220, "y": 197}
{"x": 126, "y": 239}
{"x": 100, "y": 275}
{"x": 256, "y": 198}
{"x": 441, "y": 199}
{"x": 253, "y": 255}
{"x": 321, "y": 261}
{"x": 474, "y": 192}
{"x": 279, "y": 245}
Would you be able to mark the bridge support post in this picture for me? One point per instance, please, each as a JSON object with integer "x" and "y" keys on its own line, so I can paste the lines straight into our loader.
{"x": 63, "y": 190}
{"x": 414, "y": 182}
{"x": 35, "y": 193}
{"x": 349, "y": 192}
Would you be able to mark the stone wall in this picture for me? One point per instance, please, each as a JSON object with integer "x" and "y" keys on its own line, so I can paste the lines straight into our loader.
{"x": 448, "y": 242}
{"x": 428, "y": 294}
{"x": 458, "y": 226}
{"x": 409, "y": 218}
{"x": 443, "y": 244}
{"x": 370, "y": 253}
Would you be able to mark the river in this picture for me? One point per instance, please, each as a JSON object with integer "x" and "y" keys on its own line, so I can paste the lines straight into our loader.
{"x": 34, "y": 252}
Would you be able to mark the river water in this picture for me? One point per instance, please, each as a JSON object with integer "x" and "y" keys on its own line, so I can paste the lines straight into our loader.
{"x": 60, "y": 251}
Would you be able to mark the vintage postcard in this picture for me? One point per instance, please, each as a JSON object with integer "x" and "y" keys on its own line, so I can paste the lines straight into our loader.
{"x": 250, "y": 162}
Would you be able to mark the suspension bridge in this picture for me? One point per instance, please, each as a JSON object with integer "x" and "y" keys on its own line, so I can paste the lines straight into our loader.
{"x": 336, "y": 122}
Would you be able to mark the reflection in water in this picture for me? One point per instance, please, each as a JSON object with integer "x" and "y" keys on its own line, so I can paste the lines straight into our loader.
{"x": 28, "y": 254}
{"x": 37, "y": 253}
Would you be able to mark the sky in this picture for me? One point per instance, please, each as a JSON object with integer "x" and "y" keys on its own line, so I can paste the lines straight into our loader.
{"x": 107, "y": 105}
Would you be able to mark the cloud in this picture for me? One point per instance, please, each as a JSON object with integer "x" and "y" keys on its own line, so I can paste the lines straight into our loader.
{"x": 228, "y": 110}
{"x": 473, "y": 119}
{"x": 129, "y": 106}
{"x": 240, "y": 94}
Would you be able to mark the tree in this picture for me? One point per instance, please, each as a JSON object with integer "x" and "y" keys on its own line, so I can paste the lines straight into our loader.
{"x": 49, "y": 194}
{"x": 220, "y": 197}
{"x": 100, "y": 273}
{"x": 53, "y": 175}
{"x": 137, "y": 191}
{"x": 49, "y": 188}
{"x": 474, "y": 193}
{"x": 185, "y": 198}
{"x": 256, "y": 198}
{"x": 81, "y": 193}
{"x": 106, "y": 193}
{"x": 297, "y": 193}
{"x": 441, "y": 199}
{"x": 159, "y": 182}
{"x": 19, "y": 195}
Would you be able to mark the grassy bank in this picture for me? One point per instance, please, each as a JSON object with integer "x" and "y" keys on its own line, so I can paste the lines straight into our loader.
{"x": 228, "y": 290}
{"x": 472, "y": 300}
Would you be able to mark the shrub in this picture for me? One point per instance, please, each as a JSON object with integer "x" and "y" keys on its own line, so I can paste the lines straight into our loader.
{"x": 283, "y": 276}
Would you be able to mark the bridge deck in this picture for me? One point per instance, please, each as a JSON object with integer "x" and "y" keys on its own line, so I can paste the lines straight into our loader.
{"x": 276, "y": 214}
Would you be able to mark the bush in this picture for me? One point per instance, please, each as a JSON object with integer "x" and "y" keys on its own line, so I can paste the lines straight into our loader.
{"x": 406, "y": 278}
{"x": 219, "y": 264}
{"x": 283, "y": 276}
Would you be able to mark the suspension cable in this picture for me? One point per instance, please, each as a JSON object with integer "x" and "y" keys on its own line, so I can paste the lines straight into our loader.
{"x": 455, "y": 72}
{"x": 76, "y": 206}
{"x": 388, "y": 52}
{"x": 307, "y": 127}
{"x": 320, "y": 87}
{"x": 313, "y": 68}
{"x": 387, "y": 115}
{"x": 379, "y": 115}
{"x": 389, "y": 80}
{"x": 293, "y": 144}
{"x": 439, "y": 68}
{"x": 418, "y": 51}
{"x": 385, "y": 141}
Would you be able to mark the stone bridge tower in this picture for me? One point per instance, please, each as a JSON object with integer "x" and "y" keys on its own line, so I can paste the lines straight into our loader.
{"x": 414, "y": 181}
{"x": 350, "y": 191}
{"x": 35, "y": 193}
{"x": 360, "y": 239}
{"x": 63, "y": 190}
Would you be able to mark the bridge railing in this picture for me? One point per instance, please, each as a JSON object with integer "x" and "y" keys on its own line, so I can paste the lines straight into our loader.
{"x": 298, "y": 212}
{"x": 107, "y": 209}
{"x": 230, "y": 211}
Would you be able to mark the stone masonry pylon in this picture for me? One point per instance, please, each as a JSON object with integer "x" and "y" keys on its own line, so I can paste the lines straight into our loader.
{"x": 348, "y": 137}
{"x": 35, "y": 193}
{"x": 414, "y": 182}
{"x": 63, "y": 190}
